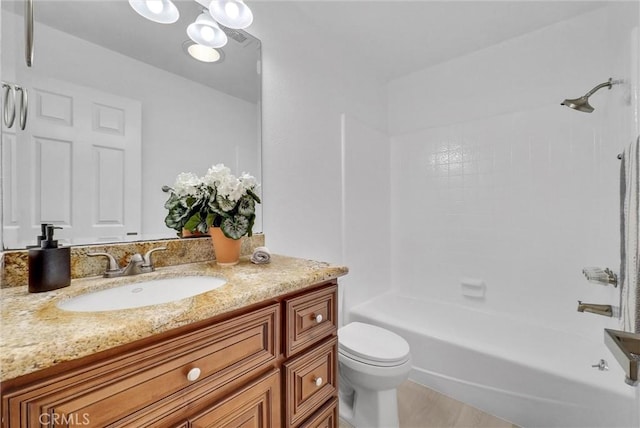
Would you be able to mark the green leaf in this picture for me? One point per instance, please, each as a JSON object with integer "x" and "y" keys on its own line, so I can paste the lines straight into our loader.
{"x": 213, "y": 192}
{"x": 213, "y": 206}
{"x": 171, "y": 224}
{"x": 172, "y": 202}
{"x": 177, "y": 216}
{"x": 252, "y": 219}
{"x": 193, "y": 222}
{"x": 202, "y": 227}
{"x": 210, "y": 218}
{"x": 253, "y": 195}
{"x": 246, "y": 206}
{"x": 225, "y": 204}
{"x": 235, "y": 227}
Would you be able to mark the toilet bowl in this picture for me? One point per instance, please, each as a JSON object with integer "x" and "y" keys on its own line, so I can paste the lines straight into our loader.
{"x": 372, "y": 363}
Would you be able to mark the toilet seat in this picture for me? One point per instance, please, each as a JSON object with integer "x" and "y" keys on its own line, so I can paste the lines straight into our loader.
{"x": 372, "y": 345}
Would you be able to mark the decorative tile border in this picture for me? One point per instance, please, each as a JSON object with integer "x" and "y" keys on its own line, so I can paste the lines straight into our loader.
{"x": 15, "y": 272}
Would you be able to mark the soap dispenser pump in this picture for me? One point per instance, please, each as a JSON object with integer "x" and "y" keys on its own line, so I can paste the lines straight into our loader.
{"x": 49, "y": 265}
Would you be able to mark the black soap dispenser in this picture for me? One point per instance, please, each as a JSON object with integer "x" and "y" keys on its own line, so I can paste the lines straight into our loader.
{"x": 49, "y": 265}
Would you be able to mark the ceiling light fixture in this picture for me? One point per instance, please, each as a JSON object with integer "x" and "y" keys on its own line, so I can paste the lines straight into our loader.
{"x": 205, "y": 31}
{"x": 202, "y": 53}
{"x": 160, "y": 11}
{"x": 231, "y": 13}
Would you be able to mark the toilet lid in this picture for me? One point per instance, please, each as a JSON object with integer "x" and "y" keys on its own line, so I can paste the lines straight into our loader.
{"x": 369, "y": 343}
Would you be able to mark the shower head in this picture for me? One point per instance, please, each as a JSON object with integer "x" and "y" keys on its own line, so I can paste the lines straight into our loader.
{"x": 582, "y": 103}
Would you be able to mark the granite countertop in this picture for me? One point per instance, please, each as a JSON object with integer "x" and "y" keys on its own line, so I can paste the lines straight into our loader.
{"x": 36, "y": 334}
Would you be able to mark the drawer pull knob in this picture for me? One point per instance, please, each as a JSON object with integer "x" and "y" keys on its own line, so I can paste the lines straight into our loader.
{"x": 318, "y": 318}
{"x": 193, "y": 374}
{"x": 317, "y": 381}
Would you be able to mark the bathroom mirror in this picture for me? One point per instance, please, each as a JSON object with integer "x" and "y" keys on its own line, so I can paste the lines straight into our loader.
{"x": 117, "y": 109}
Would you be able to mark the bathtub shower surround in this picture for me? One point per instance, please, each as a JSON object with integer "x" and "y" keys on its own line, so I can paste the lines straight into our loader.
{"x": 630, "y": 237}
{"x": 523, "y": 196}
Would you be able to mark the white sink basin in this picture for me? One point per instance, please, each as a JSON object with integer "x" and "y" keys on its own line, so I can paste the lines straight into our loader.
{"x": 141, "y": 294}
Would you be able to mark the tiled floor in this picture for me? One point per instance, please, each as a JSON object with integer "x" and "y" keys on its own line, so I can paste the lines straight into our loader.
{"x": 420, "y": 407}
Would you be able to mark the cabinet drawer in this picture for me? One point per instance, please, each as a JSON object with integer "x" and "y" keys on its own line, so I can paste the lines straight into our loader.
{"x": 327, "y": 417}
{"x": 310, "y": 318}
{"x": 108, "y": 392}
{"x": 256, "y": 405}
{"x": 310, "y": 380}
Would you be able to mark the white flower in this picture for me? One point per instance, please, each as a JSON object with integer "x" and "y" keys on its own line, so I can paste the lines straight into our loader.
{"x": 248, "y": 181}
{"x": 187, "y": 184}
{"x": 216, "y": 174}
{"x": 231, "y": 188}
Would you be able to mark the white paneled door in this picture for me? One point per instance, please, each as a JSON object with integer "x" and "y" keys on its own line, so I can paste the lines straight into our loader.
{"x": 76, "y": 165}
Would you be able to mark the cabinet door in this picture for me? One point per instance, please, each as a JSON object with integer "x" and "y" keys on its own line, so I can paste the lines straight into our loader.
{"x": 311, "y": 380}
{"x": 256, "y": 405}
{"x": 310, "y": 318}
{"x": 326, "y": 417}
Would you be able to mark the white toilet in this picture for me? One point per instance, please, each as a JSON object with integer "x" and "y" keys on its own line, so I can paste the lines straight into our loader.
{"x": 372, "y": 363}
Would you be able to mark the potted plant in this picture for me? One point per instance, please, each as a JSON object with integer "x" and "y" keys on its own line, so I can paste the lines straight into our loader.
{"x": 219, "y": 203}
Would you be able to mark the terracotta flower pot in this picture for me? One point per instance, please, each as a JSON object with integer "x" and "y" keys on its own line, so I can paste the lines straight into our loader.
{"x": 227, "y": 250}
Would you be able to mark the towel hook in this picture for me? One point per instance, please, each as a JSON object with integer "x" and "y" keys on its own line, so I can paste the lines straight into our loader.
{"x": 8, "y": 94}
{"x": 24, "y": 105}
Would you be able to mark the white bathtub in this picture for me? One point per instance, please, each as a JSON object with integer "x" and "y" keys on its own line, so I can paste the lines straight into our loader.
{"x": 526, "y": 374}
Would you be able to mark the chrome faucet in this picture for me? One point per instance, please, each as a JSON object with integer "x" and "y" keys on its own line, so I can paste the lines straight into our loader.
{"x": 604, "y": 310}
{"x": 137, "y": 264}
{"x": 134, "y": 267}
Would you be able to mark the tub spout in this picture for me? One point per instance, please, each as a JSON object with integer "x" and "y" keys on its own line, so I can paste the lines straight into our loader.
{"x": 604, "y": 310}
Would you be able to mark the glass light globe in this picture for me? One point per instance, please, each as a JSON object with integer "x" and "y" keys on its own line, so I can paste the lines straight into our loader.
{"x": 205, "y": 31}
{"x": 231, "y": 13}
{"x": 160, "y": 11}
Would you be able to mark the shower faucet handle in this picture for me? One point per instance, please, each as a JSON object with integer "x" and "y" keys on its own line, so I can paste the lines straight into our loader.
{"x": 601, "y": 276}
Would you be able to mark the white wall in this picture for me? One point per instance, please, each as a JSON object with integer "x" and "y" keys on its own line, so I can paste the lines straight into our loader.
{"x": 187, "y": 126}
{"x": 493, "y": 179}
{"x": 309, "y": 83}
{"x": 367, "y": 209}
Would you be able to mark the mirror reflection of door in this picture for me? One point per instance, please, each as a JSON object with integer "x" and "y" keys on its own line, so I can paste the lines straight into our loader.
{"x": 79, "y": 160}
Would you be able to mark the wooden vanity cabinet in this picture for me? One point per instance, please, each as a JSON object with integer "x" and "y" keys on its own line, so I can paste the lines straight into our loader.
{"x": 311, "y": 343}
{"x": 272, "y": 365}
{"x": 256, "y": 405}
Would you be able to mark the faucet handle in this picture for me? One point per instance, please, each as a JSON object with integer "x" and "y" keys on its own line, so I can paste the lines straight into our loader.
{"x": 147, "y": 257}
{"x": 112, "y": 267}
